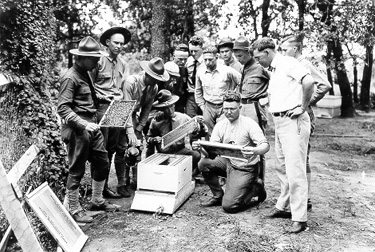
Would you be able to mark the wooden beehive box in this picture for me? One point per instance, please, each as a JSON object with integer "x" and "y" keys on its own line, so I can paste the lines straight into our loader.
{"x": 164, "y": 172}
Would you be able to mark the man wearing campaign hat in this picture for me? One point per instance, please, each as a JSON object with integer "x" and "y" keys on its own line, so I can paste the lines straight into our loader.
{"x": 107, "y": 77}
{"x": 77, "y": 107}
{"x": 253, "y": 87}
{"x": 160, "y": 126}
{"x": 225, "y": 49}
{"x": 142, "y": 88}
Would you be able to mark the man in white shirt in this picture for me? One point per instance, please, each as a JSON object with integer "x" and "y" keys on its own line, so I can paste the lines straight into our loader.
{"x": 290, "y": 90}
{"x": 213, "y": 80}
{"x": 241, "y": 175}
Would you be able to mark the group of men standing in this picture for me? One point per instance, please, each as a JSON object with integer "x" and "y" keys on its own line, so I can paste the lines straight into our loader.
{"x": 230, "y": 93}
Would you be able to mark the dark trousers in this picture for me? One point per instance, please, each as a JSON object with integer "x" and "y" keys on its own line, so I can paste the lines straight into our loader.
{"x": 83, "y": 145}
{"x": 239, "y": 188}
{"x": 192, "y": 108}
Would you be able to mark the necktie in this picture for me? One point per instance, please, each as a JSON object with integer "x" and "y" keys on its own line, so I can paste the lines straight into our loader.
{"x": 194, "y": 72}
{"x": 271, "y": 69}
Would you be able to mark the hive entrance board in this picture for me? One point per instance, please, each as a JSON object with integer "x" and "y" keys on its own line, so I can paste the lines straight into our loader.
{"x": 117, "y": 114}
{"x": 178, "y": 133}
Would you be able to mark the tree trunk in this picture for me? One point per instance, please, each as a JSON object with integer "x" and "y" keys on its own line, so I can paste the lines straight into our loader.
{"x": 366, "y": 80}
{"x": 265, "y": 18}
{"x": 347, "y": 109}
{"x": 355, "y": 81}
{"x": 189, "y": 22}
{"x": 160, "y": 29}
{"x": 301, "y": 14}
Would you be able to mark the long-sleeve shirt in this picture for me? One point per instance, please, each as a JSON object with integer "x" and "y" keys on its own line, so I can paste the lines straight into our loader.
{"x": 75, "y": 97}
{"x": 211, "y": 85}
{"x": 160, "y": 128}
{"x": 320, "y": 81}
{"x": 254, "y": 81}
{"x": 108, "y": 76}
{"x": 190, "y": 68}
{"x": 134, "y": 88}
{"x": 243, "y": 132}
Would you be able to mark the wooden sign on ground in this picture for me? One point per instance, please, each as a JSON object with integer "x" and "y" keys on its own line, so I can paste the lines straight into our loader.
{"x": 46, "y": 205}
{"x": 56, "y": 218}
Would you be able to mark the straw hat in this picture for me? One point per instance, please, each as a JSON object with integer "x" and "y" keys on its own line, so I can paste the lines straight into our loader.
{"x": 172, "y": 68}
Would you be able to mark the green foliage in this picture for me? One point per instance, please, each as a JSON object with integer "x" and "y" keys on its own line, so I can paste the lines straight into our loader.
{"x": 28, "y": 53}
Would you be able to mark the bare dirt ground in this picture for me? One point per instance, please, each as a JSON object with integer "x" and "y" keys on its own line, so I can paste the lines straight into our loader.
{"x": 342, "y": 217}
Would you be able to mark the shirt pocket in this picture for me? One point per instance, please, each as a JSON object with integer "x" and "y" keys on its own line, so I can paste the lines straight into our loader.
{"x": 104, "y": 76}
{"x": 83, "y": 95}
{"x": 251, "y": 84}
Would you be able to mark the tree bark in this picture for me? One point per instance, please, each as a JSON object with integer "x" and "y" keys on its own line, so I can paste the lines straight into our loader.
{"x": 301, "y": 14}
{"x": 347, "y": 109}
{"x": 160, "y": 30}
{"x": 366, "y": 80}
{"x": 265, "y": 18}
{"x": 355, "y": 81}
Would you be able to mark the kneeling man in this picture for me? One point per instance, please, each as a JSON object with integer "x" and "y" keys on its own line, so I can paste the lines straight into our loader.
{"x": 242, "y": 182}
{"x": 165, "y": 122}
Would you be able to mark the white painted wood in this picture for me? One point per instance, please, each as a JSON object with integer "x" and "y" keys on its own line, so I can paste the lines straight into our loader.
{"x": 16, "y": 216}
{"x": 161, "y": 202}
{"x": 56, "y": 218}
{"x": 164, "y": 172}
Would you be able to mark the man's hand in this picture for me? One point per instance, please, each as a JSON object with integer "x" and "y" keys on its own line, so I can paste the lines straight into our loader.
{"x": 92, "y": 127}
{"x": 157, "y": 139}
{"x": 195, "y": 145}
{"x": 132, "y": 139}
{"x": 248, "y": 152}
{"x": 188, "y": 146}
{"x": 138, "y": 134}
{"x": 295, "y": 112}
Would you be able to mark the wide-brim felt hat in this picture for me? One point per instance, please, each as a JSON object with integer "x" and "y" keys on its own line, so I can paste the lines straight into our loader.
{"x": 164, "y": 98}
{"x": 108, "y": 33}
{"x": 88, "y": 47}
{"x": 241, "y": 43}
{"x": 155, "y": 68}
{"x": 225, "y": 42}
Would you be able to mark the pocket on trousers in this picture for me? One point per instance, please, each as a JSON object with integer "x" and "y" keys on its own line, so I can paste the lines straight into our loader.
{"x": 66, "y": 133}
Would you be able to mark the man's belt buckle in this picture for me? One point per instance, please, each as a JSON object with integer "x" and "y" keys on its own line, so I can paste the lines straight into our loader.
{"x": 281, "y": 114}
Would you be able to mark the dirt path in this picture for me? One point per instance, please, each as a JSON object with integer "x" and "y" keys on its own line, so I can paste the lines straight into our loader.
{"x": 342, "y": 218}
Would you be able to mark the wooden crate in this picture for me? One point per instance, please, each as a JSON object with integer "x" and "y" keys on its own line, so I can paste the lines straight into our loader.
{"x": 164, "y": 172}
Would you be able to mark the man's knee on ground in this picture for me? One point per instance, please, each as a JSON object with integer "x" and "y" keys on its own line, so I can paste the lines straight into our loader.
{"x": 231, "y": 207}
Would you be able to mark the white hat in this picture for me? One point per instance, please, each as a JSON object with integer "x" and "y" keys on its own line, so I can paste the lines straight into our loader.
{"x": 172, "y": 68}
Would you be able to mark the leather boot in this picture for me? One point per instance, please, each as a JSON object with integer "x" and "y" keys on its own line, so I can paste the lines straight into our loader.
{"x": 71, "y": 203}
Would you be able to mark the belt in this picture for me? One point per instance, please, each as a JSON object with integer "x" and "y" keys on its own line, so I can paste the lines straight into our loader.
{"x": 248, "y": 100}
{"x": 281, "y": 114}
{"x": 214, "y": 104}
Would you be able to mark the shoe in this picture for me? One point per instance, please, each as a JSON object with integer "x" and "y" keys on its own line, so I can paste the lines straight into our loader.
{"x": 262, "y": 194}
{"x": 104, "y": 207}
{"x": 212, "y": 202}
{"x": 123, "y": 191}
{"x": 297, "y": 227}
{"x": 109, "y": 194}
{"x": 309, "y": 205}
{"x": 276, "y": 213}
{"x": 82, "y": 217}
